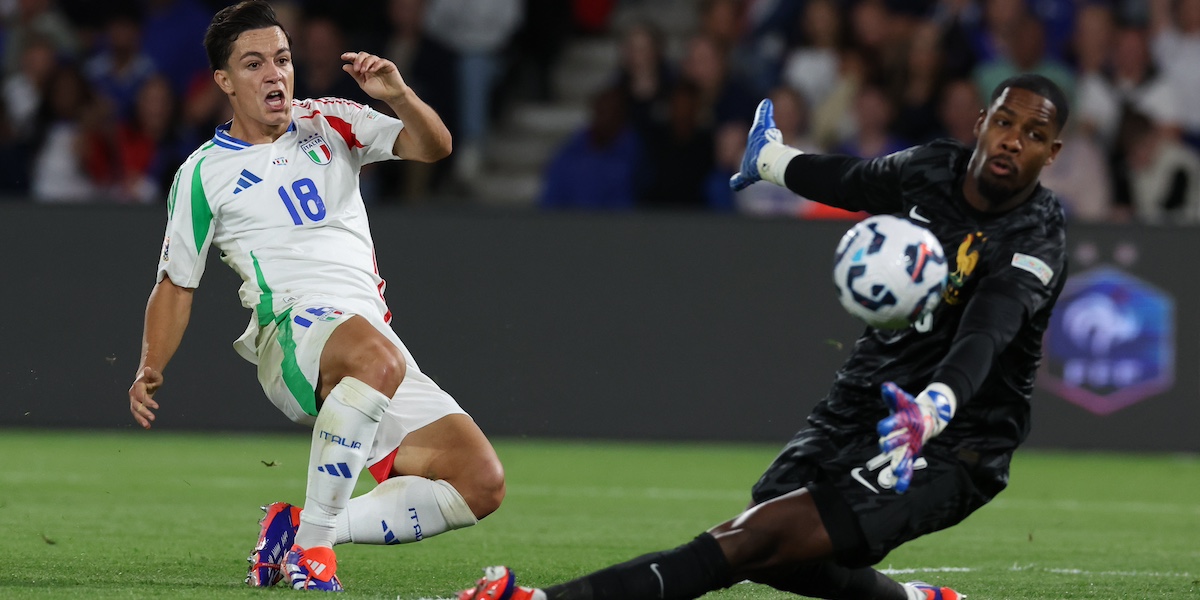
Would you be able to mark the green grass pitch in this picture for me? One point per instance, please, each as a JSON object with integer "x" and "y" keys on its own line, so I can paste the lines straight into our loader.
{"x": 166, "y": 515}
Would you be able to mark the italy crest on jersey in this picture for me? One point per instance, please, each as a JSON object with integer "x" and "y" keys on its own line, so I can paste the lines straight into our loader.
{"x": 316, "y": 149}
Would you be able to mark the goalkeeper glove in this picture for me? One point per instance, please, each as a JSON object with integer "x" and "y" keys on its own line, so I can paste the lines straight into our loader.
{"x": 766, "y": 157}
{"x": 912, "y": 423}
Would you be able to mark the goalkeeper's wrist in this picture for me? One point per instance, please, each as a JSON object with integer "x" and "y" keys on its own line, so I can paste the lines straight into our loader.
{"x": 938, "y": 405}
{"x": 773, "y": 160}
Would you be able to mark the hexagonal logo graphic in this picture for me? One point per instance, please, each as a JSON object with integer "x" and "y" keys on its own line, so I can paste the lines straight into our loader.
{"x": 1110, "y": 343}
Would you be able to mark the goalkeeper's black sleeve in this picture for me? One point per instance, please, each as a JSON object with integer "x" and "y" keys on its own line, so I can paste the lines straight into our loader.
{"x": 990, "y": 322}
{"x": 818, "y": 176}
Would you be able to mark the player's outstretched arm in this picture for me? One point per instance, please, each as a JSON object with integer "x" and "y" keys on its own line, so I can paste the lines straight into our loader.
{"x": 167, "y": 314}
{"x": 425, "y": 137}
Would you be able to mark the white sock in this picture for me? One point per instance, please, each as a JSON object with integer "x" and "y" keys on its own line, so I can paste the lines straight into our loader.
{"x": 773, "y": 160}
{"x": 402, "y": 510}
{"x": 341, "y": 441}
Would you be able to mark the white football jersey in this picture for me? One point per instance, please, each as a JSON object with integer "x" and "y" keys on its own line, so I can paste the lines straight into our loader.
{"x": 287, "y": 216}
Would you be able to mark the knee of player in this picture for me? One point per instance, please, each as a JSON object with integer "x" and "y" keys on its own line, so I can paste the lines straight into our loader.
{"x": 381, "y": 366}
{"x": 784, "y": 531}
{"x": 749, "y": 550}
{"x": 486, "y": 489}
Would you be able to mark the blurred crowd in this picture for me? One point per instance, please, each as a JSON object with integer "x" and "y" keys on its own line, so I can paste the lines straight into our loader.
{"x": 101, "y": 101}
{"x": 869, "y": 77}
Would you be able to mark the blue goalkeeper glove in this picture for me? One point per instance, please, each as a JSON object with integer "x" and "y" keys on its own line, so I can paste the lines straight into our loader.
{"x": 912, "y": 423}
{"x": 766, "y": 157}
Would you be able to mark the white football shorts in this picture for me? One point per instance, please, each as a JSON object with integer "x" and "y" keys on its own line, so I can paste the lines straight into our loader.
{"x": 289, "y": 359}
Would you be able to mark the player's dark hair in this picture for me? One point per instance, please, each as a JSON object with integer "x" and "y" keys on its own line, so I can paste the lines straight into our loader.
{"x": 1041, "y": 86}
{"x": 231, "y": 22}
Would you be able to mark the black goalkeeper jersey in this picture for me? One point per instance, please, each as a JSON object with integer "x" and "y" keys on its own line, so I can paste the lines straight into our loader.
{"x": 1017, "y": 257}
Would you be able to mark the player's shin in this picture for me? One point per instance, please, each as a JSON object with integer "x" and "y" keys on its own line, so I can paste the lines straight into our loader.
{"x": 826, "y": 579}
{"x": 341, "y": 442}
{"x": 402, "y": 510}
{"x": 689, "y": 571}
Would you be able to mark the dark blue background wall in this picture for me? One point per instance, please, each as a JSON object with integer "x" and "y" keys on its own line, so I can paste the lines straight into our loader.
{"x": 668, "y": 327}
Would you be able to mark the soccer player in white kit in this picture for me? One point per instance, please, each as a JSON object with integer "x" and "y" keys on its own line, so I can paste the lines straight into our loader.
{"x": 276, "y": 190}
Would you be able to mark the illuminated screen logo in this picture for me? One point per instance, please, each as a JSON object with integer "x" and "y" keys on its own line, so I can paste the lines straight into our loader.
{"x": 1111, "y": 341}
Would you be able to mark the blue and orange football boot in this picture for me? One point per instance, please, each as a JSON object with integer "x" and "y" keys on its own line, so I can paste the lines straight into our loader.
{"x": 500, "y": 583}
{"x": 276, "y": 537}
{"x": 312, "y": 569}
{"x": 933, "y": 592}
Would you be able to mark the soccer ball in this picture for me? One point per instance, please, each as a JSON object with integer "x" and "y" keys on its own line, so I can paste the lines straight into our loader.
{"x": 889, "y": 272}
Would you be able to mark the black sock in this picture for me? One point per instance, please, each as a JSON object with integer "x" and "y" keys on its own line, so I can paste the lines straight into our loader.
{"x": 833, "y": 582}
{"x": 687, "y": 572}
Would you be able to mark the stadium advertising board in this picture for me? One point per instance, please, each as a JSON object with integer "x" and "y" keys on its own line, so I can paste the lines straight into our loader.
{"x": 657, "y": 327}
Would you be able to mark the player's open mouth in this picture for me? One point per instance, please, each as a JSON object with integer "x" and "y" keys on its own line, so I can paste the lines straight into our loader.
{"x": 275, "y": 100}
{"x": 1002, "y": 167}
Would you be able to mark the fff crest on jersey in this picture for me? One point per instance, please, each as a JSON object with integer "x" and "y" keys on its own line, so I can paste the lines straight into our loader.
{"x": 317, "y": 149}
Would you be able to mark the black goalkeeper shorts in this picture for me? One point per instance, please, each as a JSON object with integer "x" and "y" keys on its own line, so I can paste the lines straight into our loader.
{"x": 853, "y": 491}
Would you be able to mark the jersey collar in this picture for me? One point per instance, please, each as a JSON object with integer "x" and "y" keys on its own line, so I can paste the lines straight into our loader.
{"x": 224, "y": 140}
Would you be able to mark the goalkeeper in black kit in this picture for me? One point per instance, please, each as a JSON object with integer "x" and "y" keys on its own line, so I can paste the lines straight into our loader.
{"x": 876, "y": 467}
